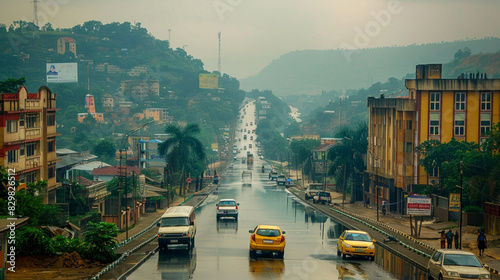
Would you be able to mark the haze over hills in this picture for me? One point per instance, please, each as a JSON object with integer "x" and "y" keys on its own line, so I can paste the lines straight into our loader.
{"x": 311, "y": 71}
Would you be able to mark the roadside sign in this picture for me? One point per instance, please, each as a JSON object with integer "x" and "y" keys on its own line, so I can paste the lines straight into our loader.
{"x": 454, "y": 204}
{"x": 188, "y": 180}
{"x": 418, "y": 205}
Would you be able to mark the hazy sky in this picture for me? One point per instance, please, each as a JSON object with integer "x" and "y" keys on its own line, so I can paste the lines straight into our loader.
{"x": 255, "y": 32}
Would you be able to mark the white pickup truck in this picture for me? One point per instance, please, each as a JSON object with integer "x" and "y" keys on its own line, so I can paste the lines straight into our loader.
{"x": 312, "y": 189}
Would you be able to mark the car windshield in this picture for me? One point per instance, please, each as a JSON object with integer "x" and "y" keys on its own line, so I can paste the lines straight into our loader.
{"x": 357, "y": 237}
{"x": 268, "y": 232}
{"x": 174, "y": 222}
{"x": 227, "y": 203}
{"x": 461, "y": 260}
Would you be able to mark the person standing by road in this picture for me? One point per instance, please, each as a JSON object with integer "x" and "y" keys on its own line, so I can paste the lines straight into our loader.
{"x": 456, "y": 240}
{"x": 443, "y": 239}
{"x": 481, "y": 242}
{"x": 449, "y": 239}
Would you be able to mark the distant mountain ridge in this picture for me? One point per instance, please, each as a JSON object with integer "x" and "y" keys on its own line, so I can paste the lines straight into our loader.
{"x": 311, "y": 71}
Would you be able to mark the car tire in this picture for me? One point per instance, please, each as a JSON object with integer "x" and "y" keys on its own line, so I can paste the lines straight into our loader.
{"x": 218, "y": 217}
{"x": 344, "y": 256}
{"x": 281, "y": 255}
{"x": 251, "y": 254}
{"x": 440, "y": 277}
{"x": 339, "y": 253}
{"x": 372, "y": 258}
{"x": 314, "y": 201}
{"x": 305, "y": 197}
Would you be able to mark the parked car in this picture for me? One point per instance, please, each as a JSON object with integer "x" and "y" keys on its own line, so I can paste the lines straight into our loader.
{"x": 322, "y": 197}
{"x": 267, "y": 238}
{"x": 227, "y": 208}
{"x": 312, "y": 189}
{"x": 356, "y": 243}
{"x": 455, "y": 264}
{"x": 281, "y": 180}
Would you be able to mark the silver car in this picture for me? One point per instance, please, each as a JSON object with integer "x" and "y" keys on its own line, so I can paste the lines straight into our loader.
{"x": 447, "y": 264}
{"x": 227, "y": 208}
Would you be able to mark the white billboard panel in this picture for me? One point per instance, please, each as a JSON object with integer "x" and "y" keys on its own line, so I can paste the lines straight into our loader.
{"x": 62, "y": 72}
{"x": 418, "y": 206}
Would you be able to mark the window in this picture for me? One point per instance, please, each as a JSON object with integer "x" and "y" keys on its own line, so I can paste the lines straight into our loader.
{"x": 30, "y": 149}
{"x": 460, "y": 124}
{"x": 486, "y": 101}
{"x": 485, "y": 123}
{"x": 52, "y": 171}
{"x": 11, "y": 126}
{"x": 30, "y": 177}
{"x": 51, "y": 146}
{"x": 21, "y": 150}
{"x": 434, "y": 124}
{"x": 408, "y": 147}
{"x": 409, "y": 125}
{"x": 435, "y": 101}
{"x": 12, "y": 156}
{"x": 51, "y": 120}
{"x": 31, "y": 121}
{"x": 21, "y": 120}
{"x": 460, "y": 101}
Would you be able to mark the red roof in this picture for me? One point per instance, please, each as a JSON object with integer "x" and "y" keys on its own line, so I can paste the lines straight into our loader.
{"x": 84, "y": 181}
{"x": 115, "y": 170}
{"x": 68, "y": 39}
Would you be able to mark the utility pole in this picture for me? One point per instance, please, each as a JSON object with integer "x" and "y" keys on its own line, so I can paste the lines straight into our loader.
{"x": 324, "y": 170}
{"x": 461, "y": 194}
{"x": 219, "y": 66}
{"x": 35, "y": 12}
{"x": 133, "y": 195}
{"x": 343, "y": 193}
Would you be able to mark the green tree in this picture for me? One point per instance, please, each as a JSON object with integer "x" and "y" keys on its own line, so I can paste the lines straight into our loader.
{"x": 347, "y": 157}
{"x": 100, "y": 242}
{"x": 12, "y": 85}
{"x": 106, "y": 151}
{"x": 183, "y": 149}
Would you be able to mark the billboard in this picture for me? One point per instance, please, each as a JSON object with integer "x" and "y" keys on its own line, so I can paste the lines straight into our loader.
{"x": 418, "y": 205}
{"x": 209, "y": 81}
{"x": 61, "y": 72}
{"x": 454, "y": 204}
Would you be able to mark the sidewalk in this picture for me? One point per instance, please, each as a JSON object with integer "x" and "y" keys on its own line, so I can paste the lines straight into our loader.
{"x": 429, "y": 233}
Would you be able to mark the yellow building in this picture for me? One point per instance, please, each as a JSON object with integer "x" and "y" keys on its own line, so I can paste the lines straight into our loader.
{"x": 28, "y": 137}
{"x": 66, "y": 44}
{"x": 464, "y": 108}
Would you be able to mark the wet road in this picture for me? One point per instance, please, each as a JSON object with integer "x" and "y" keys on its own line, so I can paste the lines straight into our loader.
{"x": 222, "y": 247}
{"x": 221, "y": 250}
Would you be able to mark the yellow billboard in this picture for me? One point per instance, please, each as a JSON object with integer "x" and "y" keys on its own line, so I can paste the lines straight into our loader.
{"x": 209, "y": 81}
{"x": 215, "y": 146}
{"x": 454, "y": 204}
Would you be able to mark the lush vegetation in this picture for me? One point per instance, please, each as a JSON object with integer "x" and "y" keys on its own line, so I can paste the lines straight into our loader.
{"x": 459, "y": 163}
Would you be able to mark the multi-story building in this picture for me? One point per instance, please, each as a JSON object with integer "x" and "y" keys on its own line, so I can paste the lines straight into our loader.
{"x": 66, "y": 44}
{"x": 28, "y": 137}
{"x": 141, "y": 88}
{"x": 464, "y": 108}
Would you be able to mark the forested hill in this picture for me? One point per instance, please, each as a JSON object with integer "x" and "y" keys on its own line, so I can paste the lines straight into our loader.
{"x": 311, "y": 71}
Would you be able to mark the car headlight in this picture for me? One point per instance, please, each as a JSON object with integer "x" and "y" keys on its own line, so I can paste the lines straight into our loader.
{"x": 484, "y": 276}
{"x": 371, "y": 247}
{"x": 347, "y": 245}
{"x": 453, "y": 273}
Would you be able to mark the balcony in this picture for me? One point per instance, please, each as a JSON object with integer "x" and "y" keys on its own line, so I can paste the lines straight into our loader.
{"x": 33, "y": 162}
{"x": 33, "y": 133}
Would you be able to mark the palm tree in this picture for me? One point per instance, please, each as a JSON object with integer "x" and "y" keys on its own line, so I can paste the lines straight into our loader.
{"x": 347, "y": 158}
{"x": 182, "y": 149}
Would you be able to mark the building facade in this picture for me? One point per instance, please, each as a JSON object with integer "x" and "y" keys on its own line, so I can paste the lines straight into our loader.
{"x": 464, "y": 108}
{"x": 28, "y": 137}
{"x": 66, "y": 44}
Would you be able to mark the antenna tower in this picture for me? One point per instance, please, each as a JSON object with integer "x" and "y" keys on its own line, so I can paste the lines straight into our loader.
{"x": 218, "y": 68}
{"x": 35, "y": 12}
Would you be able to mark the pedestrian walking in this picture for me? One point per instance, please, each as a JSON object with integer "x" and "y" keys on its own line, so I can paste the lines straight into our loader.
{"x": 384, "y": 210}
{"x": 443, "y": 239}
{"x": 456, "y": 240}
{"x": 367, "y": 200}
{"x": 481, "y": 242}
{"x": 449, "y": 239}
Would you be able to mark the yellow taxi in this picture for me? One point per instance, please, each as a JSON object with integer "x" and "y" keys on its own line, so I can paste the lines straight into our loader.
{"x": 267, "y": 239}
{"x": 356, "y": 243}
